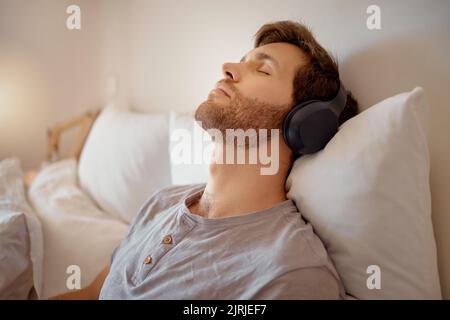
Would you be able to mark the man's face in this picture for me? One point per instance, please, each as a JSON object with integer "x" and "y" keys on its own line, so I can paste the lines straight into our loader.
{"x": 256, "y": 92}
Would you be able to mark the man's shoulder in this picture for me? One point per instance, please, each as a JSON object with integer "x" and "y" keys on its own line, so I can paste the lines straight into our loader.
{"x": 297, "y": 245}
{"x": 297, "y": 249}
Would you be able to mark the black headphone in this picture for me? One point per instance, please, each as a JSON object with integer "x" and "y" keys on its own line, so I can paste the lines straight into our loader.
{"x": 309, "y": 126}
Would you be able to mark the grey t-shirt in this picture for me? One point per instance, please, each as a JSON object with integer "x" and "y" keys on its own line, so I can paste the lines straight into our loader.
{"x": 171, "y": 253}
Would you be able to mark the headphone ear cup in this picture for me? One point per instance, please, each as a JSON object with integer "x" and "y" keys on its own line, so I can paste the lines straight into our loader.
{"x": 317, "y": 130}
{"x": 307, "y": 129}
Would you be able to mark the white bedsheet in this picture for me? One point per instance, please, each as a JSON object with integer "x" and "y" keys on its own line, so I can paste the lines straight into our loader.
{"x": 76, "y": 232}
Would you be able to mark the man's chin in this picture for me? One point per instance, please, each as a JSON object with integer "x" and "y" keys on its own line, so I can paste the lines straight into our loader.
{"x": 209, "y": 114}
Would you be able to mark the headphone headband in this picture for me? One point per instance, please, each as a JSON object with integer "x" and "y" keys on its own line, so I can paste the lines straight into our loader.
{"x": 339, "y": 101}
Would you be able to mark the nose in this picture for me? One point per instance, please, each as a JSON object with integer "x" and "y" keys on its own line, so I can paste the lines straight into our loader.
{"x": 231, "y": 71}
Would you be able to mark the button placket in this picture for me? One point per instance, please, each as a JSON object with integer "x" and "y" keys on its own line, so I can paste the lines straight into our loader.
{"x": 168, "y": 241}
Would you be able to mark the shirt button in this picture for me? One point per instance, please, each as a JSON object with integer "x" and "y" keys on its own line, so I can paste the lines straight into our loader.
{"x": 148, "y": 260}
{"x": 167, "y": 239}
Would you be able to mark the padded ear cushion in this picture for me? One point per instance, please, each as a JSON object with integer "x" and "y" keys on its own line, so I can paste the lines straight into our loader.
{"x": 308, "y": 128}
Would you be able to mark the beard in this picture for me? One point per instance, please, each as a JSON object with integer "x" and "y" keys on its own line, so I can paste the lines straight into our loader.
{"x": 239, "y": 112}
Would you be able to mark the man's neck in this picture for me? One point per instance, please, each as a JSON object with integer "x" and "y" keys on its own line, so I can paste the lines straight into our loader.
{"x": 238, "y": 189}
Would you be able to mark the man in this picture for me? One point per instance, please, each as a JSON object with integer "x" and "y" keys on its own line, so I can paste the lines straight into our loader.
{"x": 238, "y": 236}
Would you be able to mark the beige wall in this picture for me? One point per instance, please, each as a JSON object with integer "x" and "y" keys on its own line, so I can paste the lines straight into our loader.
{"x": 168, "y": 54}
{"x": 47, "y": 73}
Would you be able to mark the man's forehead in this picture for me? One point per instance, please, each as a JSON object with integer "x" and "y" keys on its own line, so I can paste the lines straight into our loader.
{"x": 280, "y": 52}
{"x": 261, "y": 55}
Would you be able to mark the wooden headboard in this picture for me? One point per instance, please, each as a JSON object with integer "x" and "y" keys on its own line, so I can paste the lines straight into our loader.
{"x": 83, "y": 122}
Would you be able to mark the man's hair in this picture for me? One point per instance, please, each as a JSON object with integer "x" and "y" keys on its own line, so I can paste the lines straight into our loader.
{"x": 319, "y": 78}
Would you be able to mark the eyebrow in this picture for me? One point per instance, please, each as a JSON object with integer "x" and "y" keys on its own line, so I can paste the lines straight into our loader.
{"x": 263, "y": 56}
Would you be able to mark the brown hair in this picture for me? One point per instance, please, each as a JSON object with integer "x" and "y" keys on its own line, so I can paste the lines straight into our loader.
{"x": 319, "y": 78}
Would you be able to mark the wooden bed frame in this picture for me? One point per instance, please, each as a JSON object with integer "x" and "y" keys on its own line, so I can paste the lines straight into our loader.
{"x": 84, "y": 123}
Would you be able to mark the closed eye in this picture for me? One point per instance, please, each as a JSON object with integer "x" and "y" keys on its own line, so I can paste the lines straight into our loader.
{"x": 266, "y": 73}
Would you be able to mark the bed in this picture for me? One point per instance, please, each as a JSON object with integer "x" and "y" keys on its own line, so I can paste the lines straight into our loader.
{"x": 81, "y": 204}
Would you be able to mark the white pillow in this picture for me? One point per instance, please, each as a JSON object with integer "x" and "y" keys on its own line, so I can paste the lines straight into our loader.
{"x": 367, "y": 195}
{"x": 124, "y": 160}
{"x": 21, "y": 243}
{"x": 190, "y": 150}
{"x": 76, "y": 232}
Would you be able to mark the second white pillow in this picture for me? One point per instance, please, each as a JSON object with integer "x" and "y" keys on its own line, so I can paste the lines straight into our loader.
{"x": 124, "y": 160}
{"x": 367, "y": 195}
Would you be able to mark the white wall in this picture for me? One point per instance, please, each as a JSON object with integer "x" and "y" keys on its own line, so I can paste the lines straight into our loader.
{"x": 176, "y": 49}
{"x": 47, "y": 73}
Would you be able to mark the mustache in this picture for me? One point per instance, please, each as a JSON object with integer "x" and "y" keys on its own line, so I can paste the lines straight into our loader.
{"x": 228, "y": 84}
